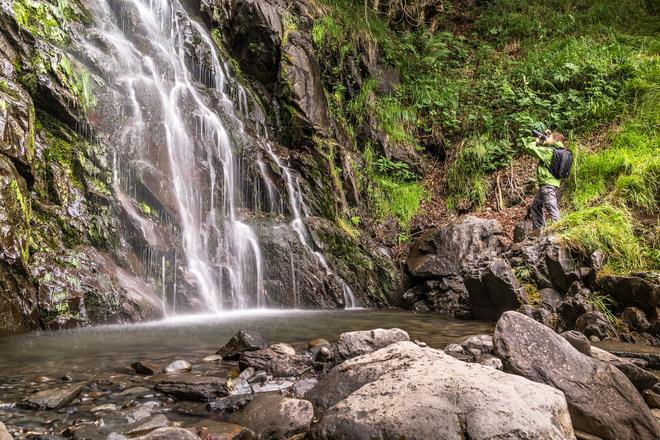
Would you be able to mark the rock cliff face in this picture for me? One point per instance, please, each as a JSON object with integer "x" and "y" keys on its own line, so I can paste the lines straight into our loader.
{"x": 90, "y": 232}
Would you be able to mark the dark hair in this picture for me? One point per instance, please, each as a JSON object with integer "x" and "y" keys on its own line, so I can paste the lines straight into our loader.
{"x": 558, "y": 137}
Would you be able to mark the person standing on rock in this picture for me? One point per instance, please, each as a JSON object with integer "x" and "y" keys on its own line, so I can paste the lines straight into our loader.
{"x": 554, "y": 165}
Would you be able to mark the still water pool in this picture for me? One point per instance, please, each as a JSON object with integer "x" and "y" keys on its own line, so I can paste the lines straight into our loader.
{"x": 89, "y": 350}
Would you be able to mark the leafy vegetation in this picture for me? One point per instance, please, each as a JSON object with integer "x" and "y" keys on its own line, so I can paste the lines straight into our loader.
{"x": 475, "y": 85}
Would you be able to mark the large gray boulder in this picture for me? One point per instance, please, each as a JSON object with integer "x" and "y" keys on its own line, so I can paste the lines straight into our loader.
{"x": 412, "y": 392}
{"x": 353, "y": 344}
{"x": 639, "y": 377}
{"x": 602, "y": 401}
{"x": 447, "y": 251}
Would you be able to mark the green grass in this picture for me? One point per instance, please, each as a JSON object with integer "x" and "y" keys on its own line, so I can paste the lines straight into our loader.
{"x": 612, "y": 231}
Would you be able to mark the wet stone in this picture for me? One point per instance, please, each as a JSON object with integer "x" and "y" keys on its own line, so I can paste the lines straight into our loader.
{"x": 212, "y": 358}
{"x": 270, "y": 386}
{"x": 146, "y": 368}
{"x": 230, "y": 403}
{"x": 258, "y": 377}
{"x": 136, "y": 392}
{"x": 145, "y": 425}
{"x": 247, "y": 373}
{"x": 169, "y": 434}
{"x": 242, "y": 342}
{"x": 301, "y": 387}
{"x": 178, "y": 366}
{"x": 191, "y": 387}
{"x": 53, "y": 398}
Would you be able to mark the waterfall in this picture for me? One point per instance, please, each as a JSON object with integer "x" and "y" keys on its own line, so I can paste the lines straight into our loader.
{"x": 191, "y": 139}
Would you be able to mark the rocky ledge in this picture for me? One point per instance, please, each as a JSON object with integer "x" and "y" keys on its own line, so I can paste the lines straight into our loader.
{"x": 469, "y": 270}
{"x": 524, "y": 381}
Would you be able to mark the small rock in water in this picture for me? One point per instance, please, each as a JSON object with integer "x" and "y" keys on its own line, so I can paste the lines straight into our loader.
{"x": 421, "y": 344}
{"x": 316, "y": 343}
{"x": 135, "y": 392}
{"x": 258, "y": 377}
{"x": 353, "y": 344}
{"x": 178, "y": 366}
{"x": 145, "y": 425}
{"x": 66, "y": 378}
{"x": 241, "y": 342}
{"x": 212, "y": 358}
{"x": 146, "y": 368}
{"x": 53, "y": 398}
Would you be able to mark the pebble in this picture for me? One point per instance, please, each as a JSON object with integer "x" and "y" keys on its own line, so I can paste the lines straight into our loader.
{"x": 106, "y": 407}
{"x": 41, "y": 379}
{"x": 212, "y": 358}
{"x": 453, "y": 348}
{"x": 177, "y": 366}
{"x": 421, "y": 344}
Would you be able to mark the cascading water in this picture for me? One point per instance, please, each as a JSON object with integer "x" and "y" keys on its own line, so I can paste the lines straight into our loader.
{"x": 181, "y": 141}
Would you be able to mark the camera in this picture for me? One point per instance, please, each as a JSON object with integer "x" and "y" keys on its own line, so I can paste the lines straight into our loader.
{"x": 539, "y": 135}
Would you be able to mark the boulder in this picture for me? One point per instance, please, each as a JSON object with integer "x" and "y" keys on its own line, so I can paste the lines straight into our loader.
{"x": 550, "y": 297}
{"x": 242, "y": 342}
{"x": 353, "y": 344}
{"x": 493, "y": 290}
{"x": 632, "y": 291}
{"x": 447, "y": 251}
{"x": 602, "y": 401}
{"x": 412, "y": 392}
{"x": 639, "y": 377}
{"x": 595, "y": 324}
{"x": 189, "y": 386}
{"x": 635, "y": 318}
{"x": 52, "y": 398}
{"x": 272, "y": 416}
{"x": 578, "y": 341}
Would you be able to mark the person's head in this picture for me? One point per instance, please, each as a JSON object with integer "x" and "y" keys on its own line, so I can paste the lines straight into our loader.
{"x": 555, "y": 137}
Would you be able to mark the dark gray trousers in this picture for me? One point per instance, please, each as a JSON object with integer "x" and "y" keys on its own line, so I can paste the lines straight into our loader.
{"x": 545, "y": 198}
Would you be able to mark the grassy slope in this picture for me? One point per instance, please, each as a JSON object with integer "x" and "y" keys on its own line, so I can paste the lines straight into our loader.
{"x": 589, "y": 69}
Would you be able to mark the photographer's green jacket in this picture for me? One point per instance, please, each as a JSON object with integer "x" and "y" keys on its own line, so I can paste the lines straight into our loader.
{"x": 544, "y": 154}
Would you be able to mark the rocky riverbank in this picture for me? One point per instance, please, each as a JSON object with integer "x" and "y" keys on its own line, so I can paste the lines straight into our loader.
{"x": 524, "y": 381}
{"x": 470, "y": 270}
